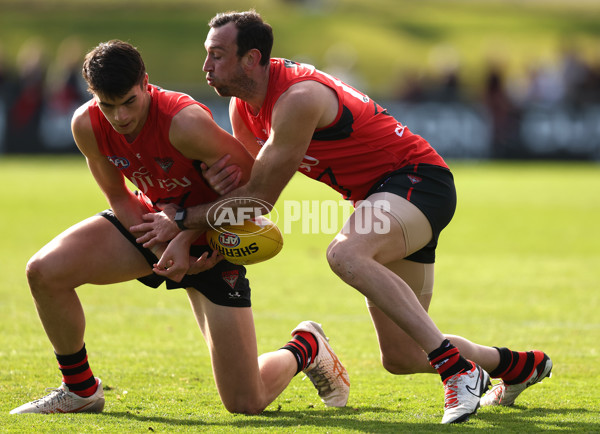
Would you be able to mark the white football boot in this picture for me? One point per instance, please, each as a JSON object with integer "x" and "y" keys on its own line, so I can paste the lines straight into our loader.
{"x": 61, "y": 400}
{"x": 505, "y": 394}
{"x": 462, "y": 394}
{"x": 326, "y": 372}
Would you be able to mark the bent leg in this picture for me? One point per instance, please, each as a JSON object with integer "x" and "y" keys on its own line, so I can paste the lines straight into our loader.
{"x": 246, "y": 383}
{"x": 399, "y": 353}
{"x": 85, "y": 253}
{"x": 356, "y": 256}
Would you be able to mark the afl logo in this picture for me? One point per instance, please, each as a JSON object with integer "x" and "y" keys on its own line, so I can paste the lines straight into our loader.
{"x": 229, "y": 240}
{"x": 119, "y": 162}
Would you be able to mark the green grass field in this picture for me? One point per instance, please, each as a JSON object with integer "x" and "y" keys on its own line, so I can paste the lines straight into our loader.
{"x": 518, "y": 267}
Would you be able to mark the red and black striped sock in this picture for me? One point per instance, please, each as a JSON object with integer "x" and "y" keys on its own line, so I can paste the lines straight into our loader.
{"x": 516, "y": 366}
{"x": 447, "y": 361}
{"x": 77, "y": 374}
{"x": 304, "y": 347}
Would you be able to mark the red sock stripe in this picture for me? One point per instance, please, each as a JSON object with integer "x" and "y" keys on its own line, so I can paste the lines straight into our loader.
{"x": 445, "y": 360}
{"x": 528, "y": 362}
{"x": 311, "y": 340}
{"x": 515, "y": 368}
{"x": 78, "y": 378}
{"x": 89, "y": 391}
{"x": 301, "y": 349}
{"x": 76, "y": 365}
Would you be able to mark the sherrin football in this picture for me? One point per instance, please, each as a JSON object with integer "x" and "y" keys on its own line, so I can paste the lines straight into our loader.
{"x": 256, "y": 240}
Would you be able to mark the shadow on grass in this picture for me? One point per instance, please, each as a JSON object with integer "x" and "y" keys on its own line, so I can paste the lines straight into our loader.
{"x": 539, "y": 418}
{"x": 366, "y": 419}
{"x": 373, "y": 419}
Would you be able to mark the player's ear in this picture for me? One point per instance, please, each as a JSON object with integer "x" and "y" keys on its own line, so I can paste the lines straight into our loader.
{"x": 252, "y": 58}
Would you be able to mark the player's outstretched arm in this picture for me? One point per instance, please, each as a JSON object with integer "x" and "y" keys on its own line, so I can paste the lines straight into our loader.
{"x": 297, "y": 114}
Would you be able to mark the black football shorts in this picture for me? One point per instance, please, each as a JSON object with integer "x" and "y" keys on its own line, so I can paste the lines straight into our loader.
{"x": 225, "y": 284}
{"x": 431, "y": 189}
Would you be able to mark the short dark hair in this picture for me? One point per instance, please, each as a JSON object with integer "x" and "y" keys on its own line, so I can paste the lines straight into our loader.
{"x": 113, "y": 68}
{"x": 253, "y": 32}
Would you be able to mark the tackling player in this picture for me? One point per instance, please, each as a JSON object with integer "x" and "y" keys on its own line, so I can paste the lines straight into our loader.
{"x": 296, "y": 118}
{"x": 158, "y": 139}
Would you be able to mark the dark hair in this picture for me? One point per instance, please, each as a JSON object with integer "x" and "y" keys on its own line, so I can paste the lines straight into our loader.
{"x": 253, "y": 32}
{"x": 113, "y": 68}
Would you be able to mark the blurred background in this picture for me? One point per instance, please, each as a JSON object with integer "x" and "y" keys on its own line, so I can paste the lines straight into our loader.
{"x": 479, "y": 79}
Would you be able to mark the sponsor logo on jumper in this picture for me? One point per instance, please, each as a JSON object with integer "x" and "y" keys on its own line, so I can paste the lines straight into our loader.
{"x": 308, "y": 163}
{"x": 144, "y": 180}
{"x": 164, "y": 163}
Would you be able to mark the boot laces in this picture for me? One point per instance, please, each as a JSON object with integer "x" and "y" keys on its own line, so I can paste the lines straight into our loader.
{"x": 451, "y": 393}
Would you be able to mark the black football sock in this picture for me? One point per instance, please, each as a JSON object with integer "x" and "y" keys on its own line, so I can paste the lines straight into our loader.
{"x": 516, "y": 366}
{"x": 447, "y": 361}
{"x": 77, "y": 374}
{"x": 304, "y": 347}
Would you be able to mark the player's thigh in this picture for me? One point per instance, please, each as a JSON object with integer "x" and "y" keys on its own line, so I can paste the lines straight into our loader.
{"x": 231, "y": 338}
{"x": 92, "y": 251}
{"x": 386, "y": 227}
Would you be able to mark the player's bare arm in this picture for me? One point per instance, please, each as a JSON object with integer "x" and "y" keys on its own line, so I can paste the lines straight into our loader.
{"x": 112, "y": 183}
{"x": 198, "y": 137}
{"x": 305, "y": 107}
{"x": 194, "y": 133}
{"x": 241, "y": 131}
{"x": 298, "y": 112}
{"x": 223, "y": 176}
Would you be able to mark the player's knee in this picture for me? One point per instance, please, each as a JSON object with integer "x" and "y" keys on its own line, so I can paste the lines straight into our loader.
{"x": 397, "y": 366}
{"x": 342, "y": 259}
{"x": 39, "y": 274}
{"x": 34, "y": 270}
{"x": 247, "y": 407}
{"x": 399, "y": 362}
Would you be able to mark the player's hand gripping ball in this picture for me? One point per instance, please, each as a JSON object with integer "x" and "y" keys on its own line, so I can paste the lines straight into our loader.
{"x": 257, "y": 240}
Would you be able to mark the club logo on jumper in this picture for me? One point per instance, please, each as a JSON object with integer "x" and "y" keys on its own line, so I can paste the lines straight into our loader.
{"x": 236, "y": 210}
{"x": 229, "y": 240}
{"x": 119, "y": 162}
{"x": 164, "y": 163}
{"x": 231, "y": 278}
{"x": 414, "y": 179}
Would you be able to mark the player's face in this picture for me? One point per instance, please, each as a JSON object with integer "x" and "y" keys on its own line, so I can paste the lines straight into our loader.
{"x": 128, "y": 113}
{"x": 223, "y": 67}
